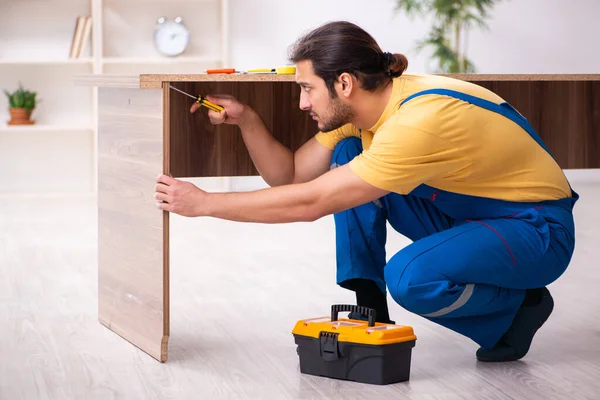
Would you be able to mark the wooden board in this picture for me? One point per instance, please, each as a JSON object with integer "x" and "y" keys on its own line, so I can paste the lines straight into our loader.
{"x": 199, "y": 148}
{"x": 565, "y": 113}
{"x": 156, "y": 80}
{"x": 133, "y": 296}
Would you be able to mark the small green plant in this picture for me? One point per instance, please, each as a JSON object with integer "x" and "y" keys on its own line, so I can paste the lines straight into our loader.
{"x": 22, "y": 98}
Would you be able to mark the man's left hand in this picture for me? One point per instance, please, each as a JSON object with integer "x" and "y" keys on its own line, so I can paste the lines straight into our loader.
{"x": 179, "y": 197}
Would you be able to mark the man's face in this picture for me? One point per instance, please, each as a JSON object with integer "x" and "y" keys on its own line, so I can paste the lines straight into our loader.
{"x": 330, "y": 113}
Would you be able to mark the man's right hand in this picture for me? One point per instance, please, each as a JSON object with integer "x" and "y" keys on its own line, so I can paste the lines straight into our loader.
{"x": 277, "y": 164}
{"x": 233, "y": 111}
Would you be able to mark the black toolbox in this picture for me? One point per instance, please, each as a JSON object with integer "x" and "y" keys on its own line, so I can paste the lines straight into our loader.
{"x": 354, "y": 349}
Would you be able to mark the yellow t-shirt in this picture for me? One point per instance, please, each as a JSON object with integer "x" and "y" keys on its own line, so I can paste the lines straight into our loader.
{"x": 451, "y": 145}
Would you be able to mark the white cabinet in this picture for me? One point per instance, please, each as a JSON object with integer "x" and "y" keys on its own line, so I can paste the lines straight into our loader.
{"x": 57, "y": 155}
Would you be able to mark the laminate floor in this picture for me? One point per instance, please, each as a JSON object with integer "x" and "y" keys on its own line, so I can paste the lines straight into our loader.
{"x": 236, "y": 292}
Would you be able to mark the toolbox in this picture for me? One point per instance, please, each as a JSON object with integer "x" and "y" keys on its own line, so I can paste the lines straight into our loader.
{"x": 354, "y": 349}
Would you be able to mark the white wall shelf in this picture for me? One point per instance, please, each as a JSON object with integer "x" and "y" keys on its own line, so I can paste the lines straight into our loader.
{"x": 164, "y": 60}
{"x": 41, "y": 62}
{"x": 44, "y": 128}
{"x": 59, "y": 153}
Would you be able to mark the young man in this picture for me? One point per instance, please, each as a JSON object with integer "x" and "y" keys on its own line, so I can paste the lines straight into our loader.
{"x": 448, "y": 163}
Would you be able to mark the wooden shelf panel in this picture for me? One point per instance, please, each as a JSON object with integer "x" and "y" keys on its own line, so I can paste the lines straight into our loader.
{"x": 46, "y": 128}
{"x": 141, "y": 2}
{"x": 159, "y": 60}
{"x": 156, "y": 80}
{"x": 42, "y": 62}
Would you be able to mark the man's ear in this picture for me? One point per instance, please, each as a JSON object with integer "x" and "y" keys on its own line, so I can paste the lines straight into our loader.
{"x": 345, "y": 84}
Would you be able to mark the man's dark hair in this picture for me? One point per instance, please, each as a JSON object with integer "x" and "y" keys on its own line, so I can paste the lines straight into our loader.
{"x": 338, "y": 47}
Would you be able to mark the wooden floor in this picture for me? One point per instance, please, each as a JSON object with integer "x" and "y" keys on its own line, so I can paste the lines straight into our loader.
{"x": 237, "y": 290}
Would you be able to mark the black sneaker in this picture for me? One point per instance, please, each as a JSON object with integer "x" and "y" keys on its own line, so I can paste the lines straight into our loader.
{"x": 515, "y": 343}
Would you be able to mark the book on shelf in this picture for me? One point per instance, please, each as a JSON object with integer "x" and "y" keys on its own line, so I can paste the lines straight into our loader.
{"x": 81, "y": 35}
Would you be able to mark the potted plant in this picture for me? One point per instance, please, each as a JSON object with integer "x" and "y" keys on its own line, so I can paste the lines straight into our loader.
{"x": 22, "y": 102}
{"x": 448, "y": 36}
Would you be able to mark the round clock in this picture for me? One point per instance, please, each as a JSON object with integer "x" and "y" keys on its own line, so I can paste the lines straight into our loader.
{"x": 171, "y": 38}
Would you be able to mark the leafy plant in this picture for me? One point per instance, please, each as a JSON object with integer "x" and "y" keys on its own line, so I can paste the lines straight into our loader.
{"x": 22, "y": 98}
{"x": 449, "y": 33}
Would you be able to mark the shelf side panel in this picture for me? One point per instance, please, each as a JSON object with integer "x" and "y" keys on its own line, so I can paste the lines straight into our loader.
{"x": 131, "y": 268}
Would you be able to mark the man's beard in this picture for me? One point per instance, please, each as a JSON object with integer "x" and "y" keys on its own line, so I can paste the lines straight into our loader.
{"x": 337, "y": 116}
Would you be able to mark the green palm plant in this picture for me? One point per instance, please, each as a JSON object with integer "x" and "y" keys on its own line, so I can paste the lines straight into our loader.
{"x": 448, "y": 35}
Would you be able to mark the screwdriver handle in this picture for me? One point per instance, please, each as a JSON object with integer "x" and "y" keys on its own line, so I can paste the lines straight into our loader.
{"x": 211, "y": 106}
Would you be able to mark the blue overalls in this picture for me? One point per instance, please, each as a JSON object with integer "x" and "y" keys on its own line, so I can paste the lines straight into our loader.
{"x": 471, "y": 258}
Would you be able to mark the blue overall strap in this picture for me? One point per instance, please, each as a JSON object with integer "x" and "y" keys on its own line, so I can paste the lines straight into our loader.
{"x": 503, "y": 108}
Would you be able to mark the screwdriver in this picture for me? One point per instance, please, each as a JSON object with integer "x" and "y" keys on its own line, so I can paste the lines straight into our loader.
{"x": 287, "y": 70}
{"x": 201, "y": 100}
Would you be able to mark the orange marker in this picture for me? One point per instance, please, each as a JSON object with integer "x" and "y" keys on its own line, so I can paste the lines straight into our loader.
{"x": 221, "y": 71}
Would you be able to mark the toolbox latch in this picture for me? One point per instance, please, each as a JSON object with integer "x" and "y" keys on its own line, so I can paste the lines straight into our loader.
{"x": 329, "y": 346}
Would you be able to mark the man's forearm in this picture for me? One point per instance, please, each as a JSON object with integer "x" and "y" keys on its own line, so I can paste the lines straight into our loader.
{"x": 288, "y": 203}
{"x": 334, "y": 191}
{"x": 274, "y": 161}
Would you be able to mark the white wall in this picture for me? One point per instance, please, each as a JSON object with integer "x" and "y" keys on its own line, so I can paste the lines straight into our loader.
{"x": 525, "y": 36}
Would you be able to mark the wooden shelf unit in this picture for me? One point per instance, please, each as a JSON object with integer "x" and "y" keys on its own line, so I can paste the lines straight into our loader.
{"x": 35, "y": 41}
